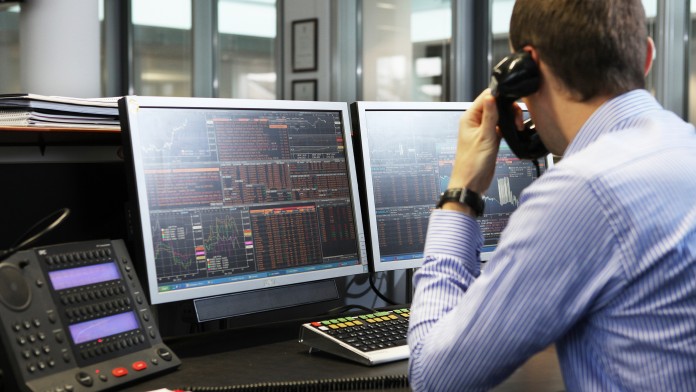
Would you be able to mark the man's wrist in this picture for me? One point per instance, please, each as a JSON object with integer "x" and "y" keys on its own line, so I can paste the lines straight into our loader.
{"x": 463, "y": 200}
{"x": 455, "y": 206}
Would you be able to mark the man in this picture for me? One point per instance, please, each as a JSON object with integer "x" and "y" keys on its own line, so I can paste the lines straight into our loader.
{"x": 600, "y": 256}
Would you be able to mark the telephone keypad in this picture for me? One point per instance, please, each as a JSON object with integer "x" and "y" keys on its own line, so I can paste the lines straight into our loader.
{"x": 34, "y": 348}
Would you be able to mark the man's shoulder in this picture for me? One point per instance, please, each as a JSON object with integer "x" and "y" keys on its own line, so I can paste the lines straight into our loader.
{"x": 661, "y": 136}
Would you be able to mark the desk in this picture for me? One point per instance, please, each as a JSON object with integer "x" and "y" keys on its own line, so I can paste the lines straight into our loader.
{"x": 268, "y": 353}
{"x": 272, "y": 354}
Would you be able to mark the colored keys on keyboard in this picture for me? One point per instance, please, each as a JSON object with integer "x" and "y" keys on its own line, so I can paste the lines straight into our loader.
{"x": 370, "y": 338}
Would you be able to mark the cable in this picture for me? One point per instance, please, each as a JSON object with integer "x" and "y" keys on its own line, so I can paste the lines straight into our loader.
{"x": 355, "y": 295}
{"x": 379, "y": 294}
{"x": 379, "y": 280}
{"x": 399, "y": 381}
{"x": 22, "y": 243}
{"x": 345, "y": 308}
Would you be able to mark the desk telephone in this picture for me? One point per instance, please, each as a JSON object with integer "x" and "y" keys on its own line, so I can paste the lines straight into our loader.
{"x": 514, "y": 77}
{"x": 73, "y": 317}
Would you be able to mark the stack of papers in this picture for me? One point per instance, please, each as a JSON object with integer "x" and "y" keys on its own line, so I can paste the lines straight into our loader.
{"x": 33, "y": 110}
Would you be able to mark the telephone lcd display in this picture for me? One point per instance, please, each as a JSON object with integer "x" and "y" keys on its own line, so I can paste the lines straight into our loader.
{"x": 103, "y": 327}
{"x": 83, "y": 276}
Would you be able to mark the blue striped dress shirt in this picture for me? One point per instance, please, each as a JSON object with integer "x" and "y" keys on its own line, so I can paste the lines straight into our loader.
{"x": 599, "y": 259}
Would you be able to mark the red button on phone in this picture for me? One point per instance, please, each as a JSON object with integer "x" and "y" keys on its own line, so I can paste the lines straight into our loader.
{"x": 140, "y": 365}
{"x": 119, "y": 372}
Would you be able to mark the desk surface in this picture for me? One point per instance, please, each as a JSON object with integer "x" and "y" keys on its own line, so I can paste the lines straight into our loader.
{"x": 269, "y": 354}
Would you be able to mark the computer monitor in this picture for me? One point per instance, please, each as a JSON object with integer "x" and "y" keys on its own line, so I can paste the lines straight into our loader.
{"x": 407, "y": 151}
{"x": 232, "y": 196}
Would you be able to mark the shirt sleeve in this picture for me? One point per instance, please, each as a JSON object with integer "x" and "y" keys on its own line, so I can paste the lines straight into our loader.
{"x": 470, "y": 328}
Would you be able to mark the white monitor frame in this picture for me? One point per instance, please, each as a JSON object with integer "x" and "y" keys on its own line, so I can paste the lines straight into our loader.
{"x": 132, "y": 107}
{"x": 360, "y": 111}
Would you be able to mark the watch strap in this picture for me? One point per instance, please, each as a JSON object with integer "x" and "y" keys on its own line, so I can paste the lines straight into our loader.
{"x": 463, "y": 196}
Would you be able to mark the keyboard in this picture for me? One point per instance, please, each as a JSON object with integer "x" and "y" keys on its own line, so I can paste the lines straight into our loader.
{"x": 370, "y": 339}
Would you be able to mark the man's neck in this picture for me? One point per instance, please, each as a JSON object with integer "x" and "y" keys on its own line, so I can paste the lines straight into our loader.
{"x": 572, "y": 115}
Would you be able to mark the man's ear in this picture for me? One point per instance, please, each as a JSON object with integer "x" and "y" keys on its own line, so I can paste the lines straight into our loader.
{"x": 530, "y": 49}
{"x": 650, "y": 55}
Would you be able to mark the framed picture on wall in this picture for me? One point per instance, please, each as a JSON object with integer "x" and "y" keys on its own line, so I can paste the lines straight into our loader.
{"x": 304, "y": 90}
{"x": 304, "y": 45}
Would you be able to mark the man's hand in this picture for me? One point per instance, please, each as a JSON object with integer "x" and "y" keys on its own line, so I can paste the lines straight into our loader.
{"x": 477, "y": 148}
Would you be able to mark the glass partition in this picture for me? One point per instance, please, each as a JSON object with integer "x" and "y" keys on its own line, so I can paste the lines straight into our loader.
{"x": 406, "y": 50}
{"x": 162, "y": 48}
{"x": 246, "y": 65}
{"x": 9, "y": 50}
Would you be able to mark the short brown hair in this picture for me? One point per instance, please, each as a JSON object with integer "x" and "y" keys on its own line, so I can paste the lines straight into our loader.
{"x": 595, "y": 47}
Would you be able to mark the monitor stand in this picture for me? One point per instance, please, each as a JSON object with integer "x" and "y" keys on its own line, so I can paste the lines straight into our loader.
{"x": 272, "y": 298}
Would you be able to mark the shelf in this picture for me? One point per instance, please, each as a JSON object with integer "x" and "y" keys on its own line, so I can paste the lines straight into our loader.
{"x": 44, "y": 136}
{"x": 46, "y": 145}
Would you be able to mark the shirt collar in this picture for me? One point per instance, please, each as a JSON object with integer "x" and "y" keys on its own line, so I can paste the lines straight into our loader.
{"x": 614, "y": 115}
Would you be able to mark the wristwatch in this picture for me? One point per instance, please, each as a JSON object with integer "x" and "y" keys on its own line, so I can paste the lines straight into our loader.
{"x": 463, "y": 196}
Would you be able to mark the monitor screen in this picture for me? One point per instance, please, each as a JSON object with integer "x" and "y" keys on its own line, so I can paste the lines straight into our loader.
{"x": 238, "y": 195}
{"x": 407, "y": 152}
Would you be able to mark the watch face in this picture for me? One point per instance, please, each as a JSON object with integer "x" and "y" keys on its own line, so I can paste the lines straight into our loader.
{"x": 450, "y": 195}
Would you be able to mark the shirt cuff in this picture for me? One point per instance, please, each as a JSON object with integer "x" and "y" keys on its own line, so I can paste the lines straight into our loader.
{"x": 455, "y": 234}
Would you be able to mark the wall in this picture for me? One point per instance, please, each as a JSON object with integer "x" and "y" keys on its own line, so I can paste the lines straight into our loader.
{"x": 60, "y": 48}
{"x": 301, "y": 10}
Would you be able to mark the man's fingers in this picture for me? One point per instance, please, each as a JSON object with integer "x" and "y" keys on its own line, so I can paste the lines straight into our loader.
{"x": 490, "y": 114}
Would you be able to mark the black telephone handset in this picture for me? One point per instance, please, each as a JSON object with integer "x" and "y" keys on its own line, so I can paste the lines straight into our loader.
{"x": 514, "y": 77}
